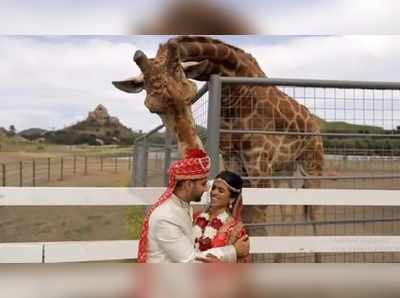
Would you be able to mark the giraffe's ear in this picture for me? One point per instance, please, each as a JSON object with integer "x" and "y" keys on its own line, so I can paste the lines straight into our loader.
{"x": 131, "y": 85}
{"x": 195, "y": 70}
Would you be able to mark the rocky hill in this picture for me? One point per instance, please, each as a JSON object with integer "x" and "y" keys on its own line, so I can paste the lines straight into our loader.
{"x": 3, "y": 132}
{"x": 99, "y": 128}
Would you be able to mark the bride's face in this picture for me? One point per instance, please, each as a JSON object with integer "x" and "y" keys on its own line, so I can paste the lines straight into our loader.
{"x": 219, "y": 195}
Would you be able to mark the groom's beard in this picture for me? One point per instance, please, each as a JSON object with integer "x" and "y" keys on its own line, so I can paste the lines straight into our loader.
{"x": 197, "y": 197}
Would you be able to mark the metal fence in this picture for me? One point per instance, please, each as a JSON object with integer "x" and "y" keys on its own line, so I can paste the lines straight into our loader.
{"x": 360, "y": 129}
{"x": 360, "y": 126}
{"x": 365, "y": 153}
{"x": 42, "y": 171}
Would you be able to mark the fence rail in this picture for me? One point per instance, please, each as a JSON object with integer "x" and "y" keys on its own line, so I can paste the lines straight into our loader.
{"x": 78, "y": 251}
{"x": 311, "y": 83}
{"x": 310, "y": 134}
{"x": 85, "y": 251}
{"x": 139, "y": 196}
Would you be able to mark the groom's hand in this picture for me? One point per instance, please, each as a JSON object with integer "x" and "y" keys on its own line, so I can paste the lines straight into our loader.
{"x": 242, "y": 246}
{"x": 209, "y": 259}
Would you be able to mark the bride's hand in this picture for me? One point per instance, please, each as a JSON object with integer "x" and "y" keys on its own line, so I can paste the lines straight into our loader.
{"x": 236, "y": 233}
{"x": 242, "y": 246}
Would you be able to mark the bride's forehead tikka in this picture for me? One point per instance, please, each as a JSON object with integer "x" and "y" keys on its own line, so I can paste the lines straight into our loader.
{"x": 227, "y": 185}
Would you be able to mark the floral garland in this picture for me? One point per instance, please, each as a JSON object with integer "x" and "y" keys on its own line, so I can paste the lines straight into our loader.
{"x": 205, "y": 232}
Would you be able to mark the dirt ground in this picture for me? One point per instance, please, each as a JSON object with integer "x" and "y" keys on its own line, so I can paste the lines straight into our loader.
{"x": 26, "y": 224}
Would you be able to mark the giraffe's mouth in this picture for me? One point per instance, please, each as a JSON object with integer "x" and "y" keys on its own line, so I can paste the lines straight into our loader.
{"x": 152, "y": 107}
{"x": 155, "y": 111}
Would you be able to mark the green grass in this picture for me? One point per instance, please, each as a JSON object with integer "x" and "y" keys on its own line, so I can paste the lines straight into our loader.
{"x": 135, "y": 217}
{"x": 17, "y": 144}
{"x": 340, "y": 126}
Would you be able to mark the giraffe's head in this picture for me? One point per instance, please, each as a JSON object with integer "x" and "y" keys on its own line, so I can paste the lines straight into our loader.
{"x": 167, "y": 85}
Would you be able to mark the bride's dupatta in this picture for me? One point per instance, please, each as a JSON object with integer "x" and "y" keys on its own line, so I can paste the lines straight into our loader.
{"x": 235, "y": 229}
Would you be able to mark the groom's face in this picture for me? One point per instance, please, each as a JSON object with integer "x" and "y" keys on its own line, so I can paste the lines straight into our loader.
{"x": 198, "y": 187}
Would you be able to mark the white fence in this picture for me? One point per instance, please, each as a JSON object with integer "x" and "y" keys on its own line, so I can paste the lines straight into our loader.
{"x": 77, "y": 251}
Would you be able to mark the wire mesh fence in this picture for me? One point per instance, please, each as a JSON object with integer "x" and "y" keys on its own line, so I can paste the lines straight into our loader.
{"x": 270, "y": 135}
{"x": 358, "y": 128}
{"x": 327, "y": 221}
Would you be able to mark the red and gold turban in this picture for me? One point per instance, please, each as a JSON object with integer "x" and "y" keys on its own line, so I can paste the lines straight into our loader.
{"x": 195, "y": 165}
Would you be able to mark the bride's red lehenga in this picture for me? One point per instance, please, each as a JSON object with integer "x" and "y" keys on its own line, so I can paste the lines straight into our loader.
{"x": 227, "y": 234}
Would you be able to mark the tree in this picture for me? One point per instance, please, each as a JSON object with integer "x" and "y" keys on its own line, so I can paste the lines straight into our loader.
{"x": 12, "y": 130}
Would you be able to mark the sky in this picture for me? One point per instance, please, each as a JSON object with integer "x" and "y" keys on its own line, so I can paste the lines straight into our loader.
{"x": 60, "y": 56}
{"x": 54, "y": 81}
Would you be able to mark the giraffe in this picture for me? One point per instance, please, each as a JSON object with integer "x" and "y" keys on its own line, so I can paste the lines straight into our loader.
{"x": 246, "y": 107}
{"x": 255, "y": 107}
{"x": 169, "y": 93}
{"x": 270, "y": 109}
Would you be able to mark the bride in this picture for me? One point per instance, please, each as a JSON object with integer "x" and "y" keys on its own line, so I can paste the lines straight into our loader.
{"x": 220, "y": 223}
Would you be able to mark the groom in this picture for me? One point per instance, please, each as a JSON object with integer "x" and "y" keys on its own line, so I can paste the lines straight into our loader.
{"x": 167, "y": 229}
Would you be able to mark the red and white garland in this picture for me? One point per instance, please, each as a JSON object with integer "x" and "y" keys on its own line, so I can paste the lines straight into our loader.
{"x": 205, "y": 232}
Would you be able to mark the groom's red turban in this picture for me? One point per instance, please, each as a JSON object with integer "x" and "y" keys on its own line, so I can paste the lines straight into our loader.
{"x": 195, "y": 165}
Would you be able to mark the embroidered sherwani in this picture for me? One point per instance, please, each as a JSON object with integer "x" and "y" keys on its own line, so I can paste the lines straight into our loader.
{"x": 170, "y": 236}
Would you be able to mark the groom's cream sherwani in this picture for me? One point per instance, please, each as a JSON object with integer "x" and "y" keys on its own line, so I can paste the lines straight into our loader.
{"x": 171, "y": 238}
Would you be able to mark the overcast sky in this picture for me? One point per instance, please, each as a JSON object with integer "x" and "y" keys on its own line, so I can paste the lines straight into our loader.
{"x": 53, "y": 81}
{"x": 57, "y": 64}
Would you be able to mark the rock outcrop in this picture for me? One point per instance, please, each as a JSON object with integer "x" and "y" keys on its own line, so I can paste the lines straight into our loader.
{"x": 99, "y": 128}
{"x": 100, "y": 116}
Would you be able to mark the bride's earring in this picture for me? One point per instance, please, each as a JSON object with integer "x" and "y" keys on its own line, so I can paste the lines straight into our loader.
{"x": 208, "y": 200}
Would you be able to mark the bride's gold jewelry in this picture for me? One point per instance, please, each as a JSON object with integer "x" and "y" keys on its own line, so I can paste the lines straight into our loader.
{"x": 227, "y": 185}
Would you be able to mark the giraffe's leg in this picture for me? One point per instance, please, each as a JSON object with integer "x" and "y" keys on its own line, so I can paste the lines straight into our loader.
{"x": 312, "y": 164}
{"x": 256, "y": 214}
{"x": 261, "y": 213}
{"x": 312, "y": 161}
{"x": 230, "y": 154}
{"x": 288, "y": 212}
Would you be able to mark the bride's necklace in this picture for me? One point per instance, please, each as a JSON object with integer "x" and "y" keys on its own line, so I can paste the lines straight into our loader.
{"x": 204, "y": 230}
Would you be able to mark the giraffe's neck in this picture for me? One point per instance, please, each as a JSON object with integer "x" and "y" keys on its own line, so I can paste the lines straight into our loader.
{"x": 182, "y": 125}
{"x": 224, "y": 59}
